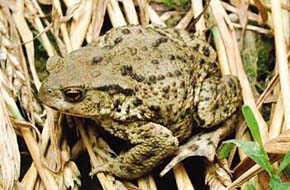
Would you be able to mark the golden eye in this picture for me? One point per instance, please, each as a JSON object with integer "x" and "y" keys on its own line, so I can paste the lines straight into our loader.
{"x": 73, "y": 94}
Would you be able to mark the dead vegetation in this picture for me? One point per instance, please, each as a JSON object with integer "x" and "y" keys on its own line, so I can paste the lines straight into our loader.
{"x": 60, "y": 27}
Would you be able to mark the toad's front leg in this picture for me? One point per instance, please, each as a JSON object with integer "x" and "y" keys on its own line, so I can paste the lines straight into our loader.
{"x": 152, "y": 143}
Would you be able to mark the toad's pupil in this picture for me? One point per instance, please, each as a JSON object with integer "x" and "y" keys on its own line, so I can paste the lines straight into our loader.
{"x": 73, "y": 95}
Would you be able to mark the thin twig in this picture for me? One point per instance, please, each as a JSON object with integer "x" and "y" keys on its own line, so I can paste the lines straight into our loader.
{"x": 282, "y": 62}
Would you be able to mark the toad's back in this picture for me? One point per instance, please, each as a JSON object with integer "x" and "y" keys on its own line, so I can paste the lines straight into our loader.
{"x": 158, "y": 68}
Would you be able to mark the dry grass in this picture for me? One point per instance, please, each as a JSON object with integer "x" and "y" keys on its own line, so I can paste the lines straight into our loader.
{"x": 53, "y": 167}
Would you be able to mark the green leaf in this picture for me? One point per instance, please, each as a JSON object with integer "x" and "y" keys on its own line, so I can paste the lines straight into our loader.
{"x": 284, "y": 163}
{"x": 252, "y": 124}
{"x": 255, "y": 152}
{"x": 277, "y": 184}
{"x": 224, "y": 150}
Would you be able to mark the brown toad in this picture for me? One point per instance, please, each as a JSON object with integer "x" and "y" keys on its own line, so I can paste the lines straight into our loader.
{"x": 146, "y": 85}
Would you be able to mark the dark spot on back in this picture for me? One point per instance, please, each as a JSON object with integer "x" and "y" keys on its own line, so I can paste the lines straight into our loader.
{"x": 126, "y": 70}
{"x": 128, "y": 109}
{"x": 192, "y": 58}
{"x": 115, "y": 88}
{"x": 154, "y": 61}
{"x": 196, "y": 47}
{"x": 207, "y": 98}
{"x": 154, "y": 108}
{"x": 190, "y": 72}
{"x": 205, "y": 51}
{"x": 126, "y": 31}
{"x": 118, "y": 40}
{"x": 155, "y": 93}
{"x": 177, "y": 73}
{"x": 182, "y": 84}
{"x": 116, "y": 103}
{"x": 163, "y": 40}
{"x": 169, "y": 107}
{"x": 165, "y": 89}
{"x": 156, "y": 43}
{"x": 182, "y": 116}
{"x": 160, "y": 77}
{"x": 137, "y": 102}
{"x": 138, "y": 78}
{"x": 187, "y": 111}
{"x": 185, "y": 94}
{"x": 136, "y": 88}
{"x": 181, "y": 58}
{"x": 152, "y": 78}
{"x": 231, "y": 83}
{"x": 171, "y": 57}
{"x": 169, "y": 74}
{"x": 133, "y": 51}
{"x": 138, "y": 58}
{"x": 174, "y": 90}
{"x": 165, "y": 95}
{"x": 97, "y": 59}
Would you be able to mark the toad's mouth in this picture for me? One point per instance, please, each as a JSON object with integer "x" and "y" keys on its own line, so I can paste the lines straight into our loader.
{"x": 71, "y": 113}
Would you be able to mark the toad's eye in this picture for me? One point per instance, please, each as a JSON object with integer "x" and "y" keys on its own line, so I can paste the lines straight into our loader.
{"x": 73, "y": 94}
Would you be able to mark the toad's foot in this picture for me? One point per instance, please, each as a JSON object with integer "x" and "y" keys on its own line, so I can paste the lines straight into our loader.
{"x": 153, "y": 143}
{"x": 203, "y": 144}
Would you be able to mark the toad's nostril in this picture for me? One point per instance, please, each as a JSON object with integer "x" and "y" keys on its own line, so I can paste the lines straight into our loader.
{"x": 49, "y": 90}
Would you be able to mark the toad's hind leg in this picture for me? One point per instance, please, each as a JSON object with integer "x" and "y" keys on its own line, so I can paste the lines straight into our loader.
{"x": 153, "y": 143}
{"x": 217, "y": 108}
{"x": 203, "y": 144}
